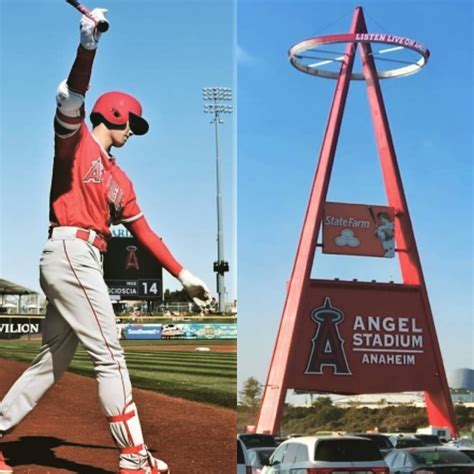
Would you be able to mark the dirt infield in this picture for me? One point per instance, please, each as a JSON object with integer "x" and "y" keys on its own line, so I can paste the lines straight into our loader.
{"x": 67, "y": 433}
{"x": 187, "y": 347}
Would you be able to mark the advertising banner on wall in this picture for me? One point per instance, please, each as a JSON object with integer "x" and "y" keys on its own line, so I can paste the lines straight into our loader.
{"x": 211, "y": 331}
{"x": 14, "y": 327}
{"x": 140, "y": 331}
{"x": 355, "y": 337}
{"x": 178, "y": 331}
{"x": 358, "y": 229}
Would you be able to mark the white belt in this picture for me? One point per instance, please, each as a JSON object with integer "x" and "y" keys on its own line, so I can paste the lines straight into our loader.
{"x": 70, "y": 233}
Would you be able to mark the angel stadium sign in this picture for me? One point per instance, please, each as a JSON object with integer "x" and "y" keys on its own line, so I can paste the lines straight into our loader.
{"x": 358, "y": 331}
{"x": 387, "y": 340}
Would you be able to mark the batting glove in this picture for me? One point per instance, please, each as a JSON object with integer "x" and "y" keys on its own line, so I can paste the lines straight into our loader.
{"x": 89, "y": 33}
{"x": 195, "y": 288}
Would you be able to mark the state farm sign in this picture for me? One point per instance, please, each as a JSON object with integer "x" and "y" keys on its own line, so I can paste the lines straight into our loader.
{"x": 358, "y": 229}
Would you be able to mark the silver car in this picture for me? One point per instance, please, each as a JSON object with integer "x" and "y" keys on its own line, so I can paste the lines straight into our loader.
{"x": 326, "y": 455}
{"x": 433, "y": 460}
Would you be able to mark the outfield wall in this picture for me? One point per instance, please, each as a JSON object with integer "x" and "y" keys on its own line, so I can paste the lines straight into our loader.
{"x": 17, "y": 326}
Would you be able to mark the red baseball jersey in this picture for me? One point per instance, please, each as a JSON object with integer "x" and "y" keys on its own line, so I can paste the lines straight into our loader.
{"x": 89, "y": 190}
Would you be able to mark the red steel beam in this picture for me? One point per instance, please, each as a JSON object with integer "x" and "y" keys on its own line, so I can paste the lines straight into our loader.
{"x": 271, "y": 409}
{"x": 438, "y": 404}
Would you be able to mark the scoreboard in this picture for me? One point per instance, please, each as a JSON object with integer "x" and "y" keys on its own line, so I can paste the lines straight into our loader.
{"x": 131, "y": 272}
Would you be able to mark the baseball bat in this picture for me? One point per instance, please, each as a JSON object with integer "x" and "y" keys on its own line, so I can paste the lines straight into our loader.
{"x": 372, "y": 214}
{"x": 101, "y": 26}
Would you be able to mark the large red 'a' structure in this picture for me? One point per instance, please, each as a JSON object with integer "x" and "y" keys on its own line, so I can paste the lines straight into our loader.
{"x": 352, "y": 337}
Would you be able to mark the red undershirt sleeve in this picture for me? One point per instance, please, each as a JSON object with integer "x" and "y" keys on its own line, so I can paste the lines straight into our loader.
{"x": 66, "y": 126}
{"x": 80, "y": 75}
{"x": 145, "y": 235}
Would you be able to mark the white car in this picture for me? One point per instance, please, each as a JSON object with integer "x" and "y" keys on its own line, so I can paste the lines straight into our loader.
{"x": 171, "y": 330}
{"x": 257, "y": 440}
{"x": 252, "y": 450}
{"x": 258, "y": 457}
{"x": 326, "y": 455}
{"x": 243, "y": 463}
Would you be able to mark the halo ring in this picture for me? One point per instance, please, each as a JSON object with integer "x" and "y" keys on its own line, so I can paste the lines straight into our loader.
{"x": 298, "y": 49}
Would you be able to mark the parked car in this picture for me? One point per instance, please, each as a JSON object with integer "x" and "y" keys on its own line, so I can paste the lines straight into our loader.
{"x": 432, "y": 460}
{"x": 382, "y": 441}
{"x": 324, "y": 455}
{"x": 463, "y": 442}
{"x": 429, "y": 440}
{"x": 280, "y": 439}
{"x": 258, "y": 457}
{"x": 257, "y": 440}
{"x": 170, "y": 331}
{"x": 442, "y": 432}
{"x": 400, "y": 442}
{"x": 468, "y": 451}
{"x": 243, "y": 462}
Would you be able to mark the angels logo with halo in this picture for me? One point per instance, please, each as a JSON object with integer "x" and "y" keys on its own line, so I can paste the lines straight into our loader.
{"x": 328, "y": 345}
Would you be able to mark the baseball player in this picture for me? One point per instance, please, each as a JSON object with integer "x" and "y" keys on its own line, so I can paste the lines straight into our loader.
{"x": 89, "y": 192}
{"x": 385, "y": 231}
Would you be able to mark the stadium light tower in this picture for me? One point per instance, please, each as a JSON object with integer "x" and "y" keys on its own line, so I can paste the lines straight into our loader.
{"x": 215, "y": 99}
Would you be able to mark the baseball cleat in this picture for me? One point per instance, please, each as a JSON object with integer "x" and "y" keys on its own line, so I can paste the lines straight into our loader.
{"x": 5, "y": 468}
{"x": 155, "y": 466}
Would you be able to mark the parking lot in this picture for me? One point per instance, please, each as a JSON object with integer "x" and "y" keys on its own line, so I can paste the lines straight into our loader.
{"x": 427, "y": 451}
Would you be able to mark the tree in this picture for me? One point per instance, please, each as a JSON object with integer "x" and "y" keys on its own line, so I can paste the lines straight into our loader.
{"x": 251, "y": 392}
{"x": 321, "y": 402}
{"x": 176, "y": 296}
{"x": 463, "y": 415}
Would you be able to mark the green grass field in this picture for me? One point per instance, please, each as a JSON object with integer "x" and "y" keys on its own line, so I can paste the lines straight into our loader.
{"x": 208, "y": 377}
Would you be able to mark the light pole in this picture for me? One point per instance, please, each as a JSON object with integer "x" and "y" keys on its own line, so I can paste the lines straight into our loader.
{"x": 214, "y": 103}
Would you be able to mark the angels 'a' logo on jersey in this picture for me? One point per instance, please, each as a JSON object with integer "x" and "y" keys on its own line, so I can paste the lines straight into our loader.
{"x": 328, "y": 345}
{"x": 115, "y": 198}
{"x": 95, "y": 172}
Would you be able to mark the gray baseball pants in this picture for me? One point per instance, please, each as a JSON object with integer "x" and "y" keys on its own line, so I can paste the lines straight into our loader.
{"x": 79, "y": 310}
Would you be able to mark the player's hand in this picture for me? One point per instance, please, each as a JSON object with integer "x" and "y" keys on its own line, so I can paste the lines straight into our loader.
{"x": 89, "y": 33}
{"x": 195, "y": 288}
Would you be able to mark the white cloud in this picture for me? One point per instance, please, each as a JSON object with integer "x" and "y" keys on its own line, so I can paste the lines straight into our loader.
{"x": 243, "y": 57}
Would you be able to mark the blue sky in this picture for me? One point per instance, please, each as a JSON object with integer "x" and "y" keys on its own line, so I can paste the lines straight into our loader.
{"x": 281, "y": 121}
{"x": 164, "y": 53}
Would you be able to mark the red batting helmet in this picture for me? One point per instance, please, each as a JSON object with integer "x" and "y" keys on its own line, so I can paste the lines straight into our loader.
{"x": 118, "y": 107}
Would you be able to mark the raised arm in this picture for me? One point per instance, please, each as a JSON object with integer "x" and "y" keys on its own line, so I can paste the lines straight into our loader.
{"x": 71, "y": 92}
